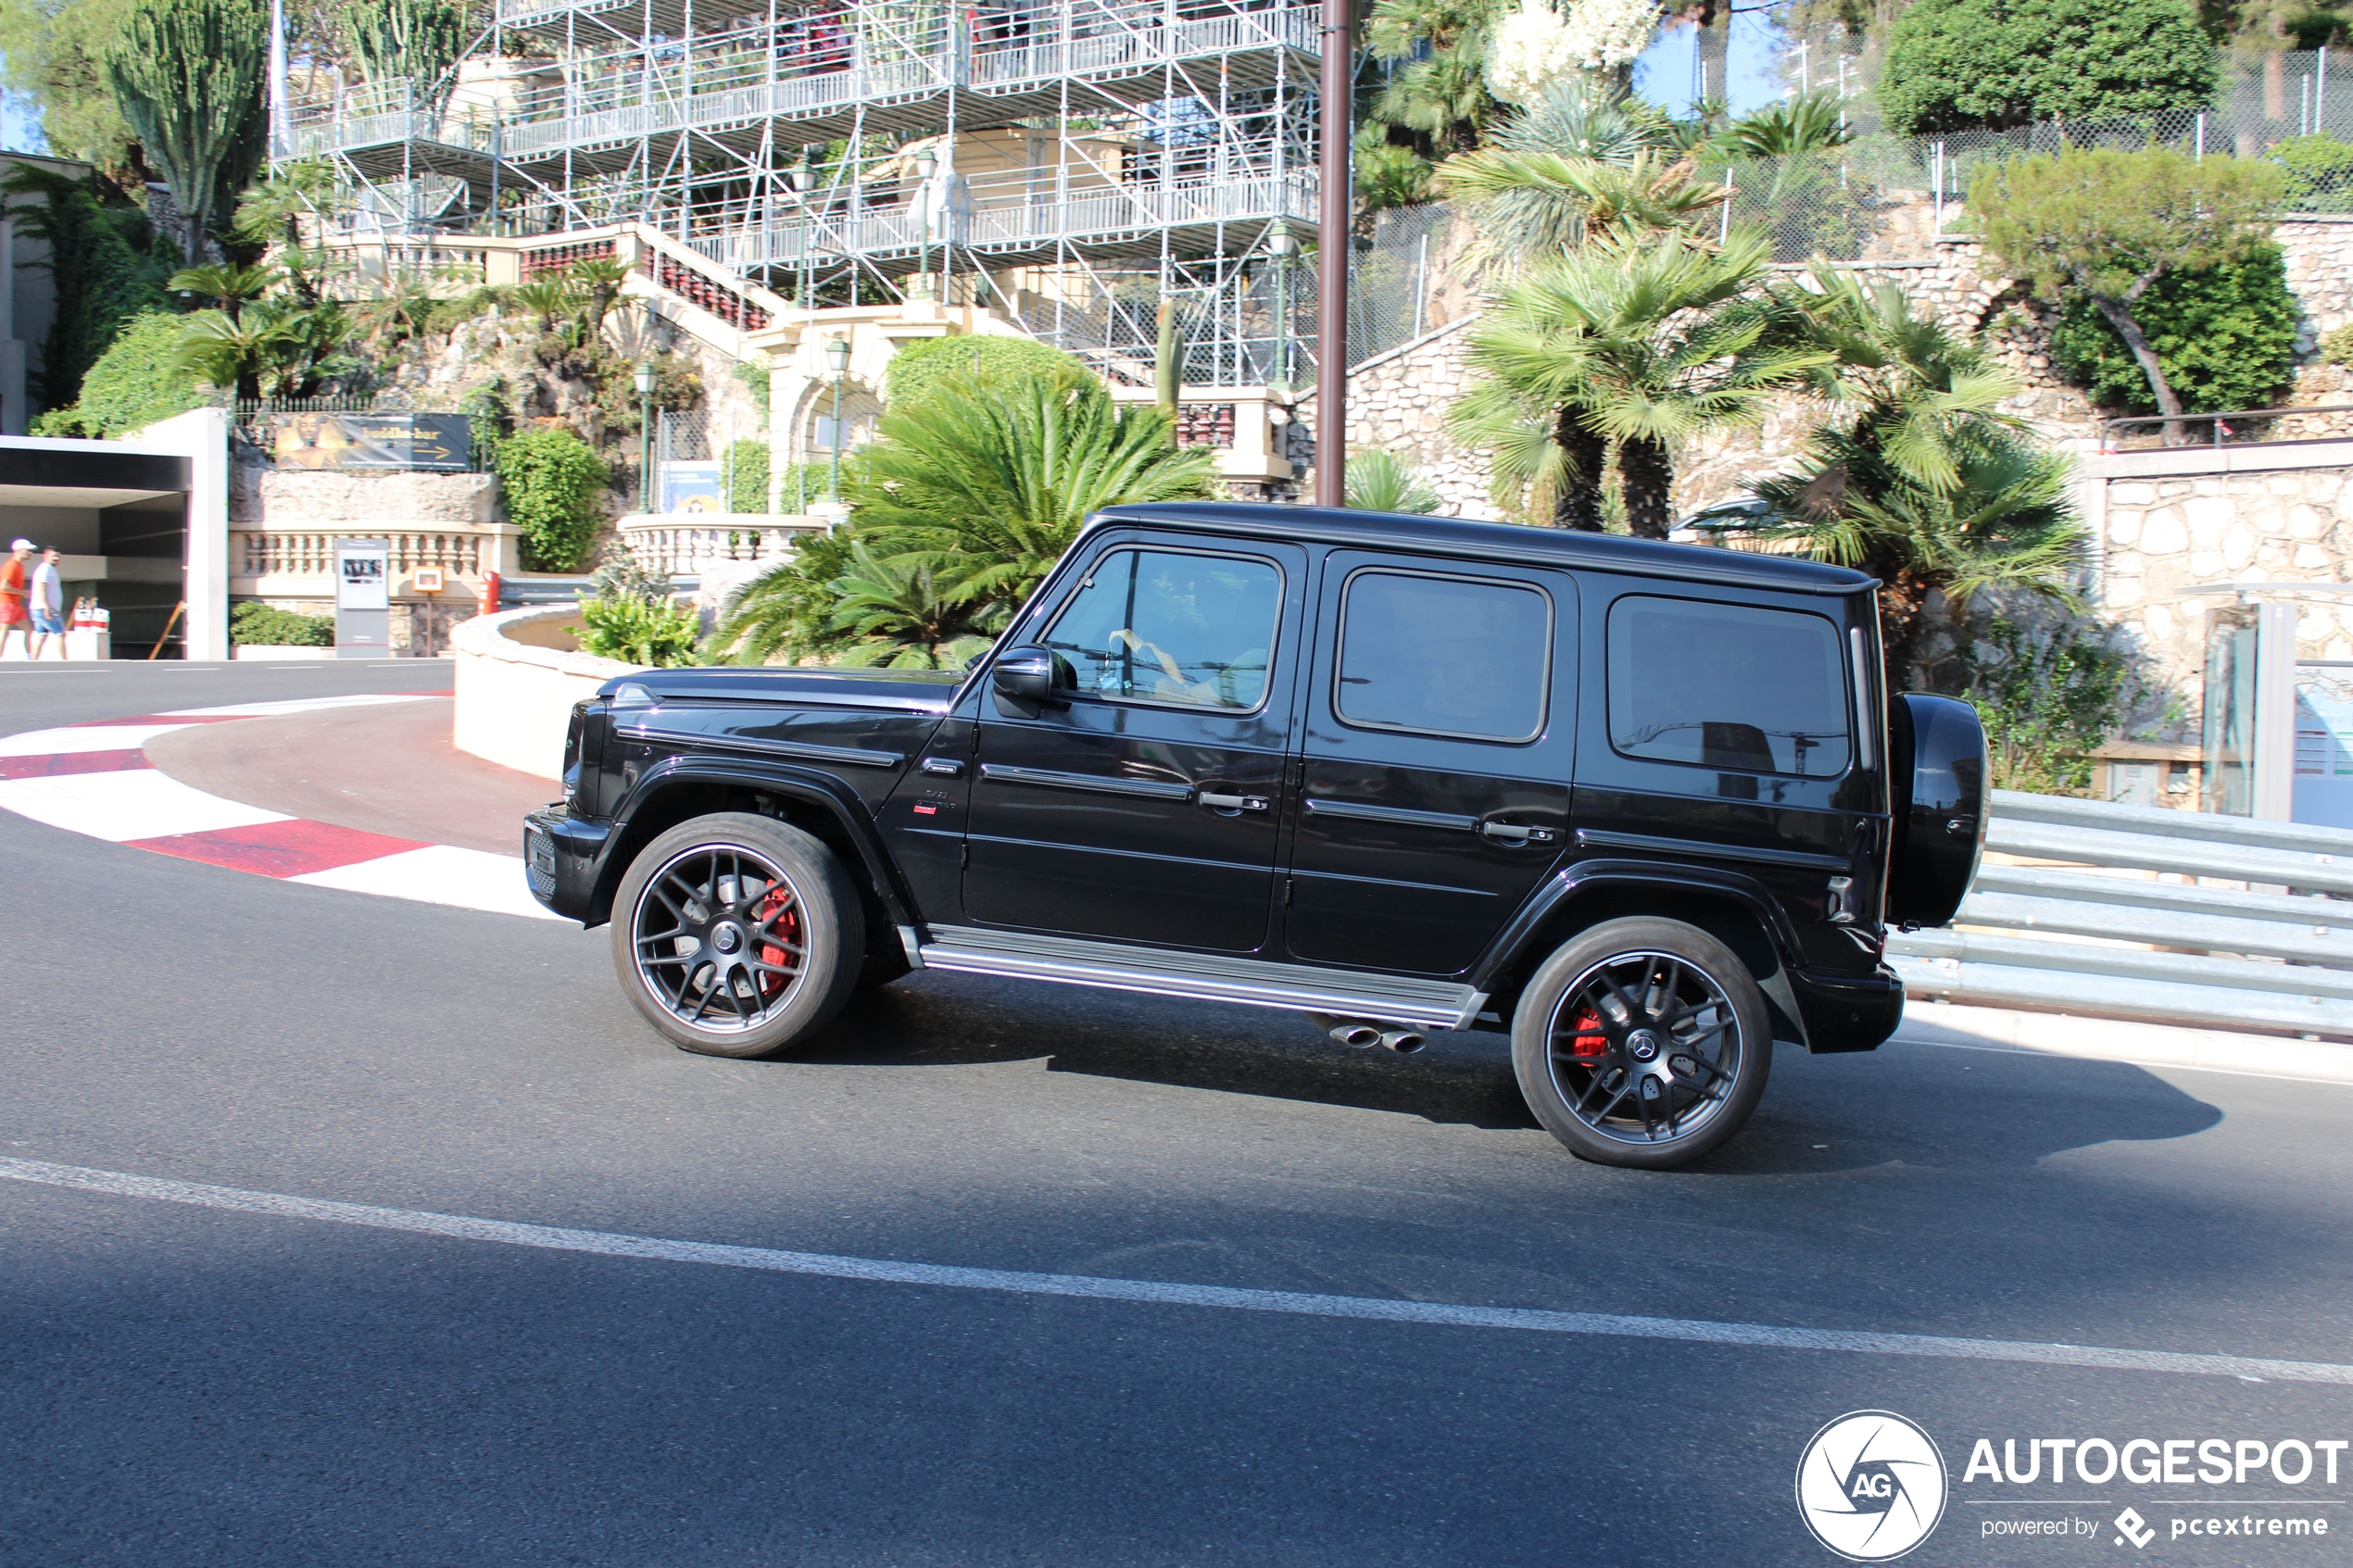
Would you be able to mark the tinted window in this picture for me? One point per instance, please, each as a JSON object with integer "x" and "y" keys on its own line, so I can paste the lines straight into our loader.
{"x": 1727, "y": 686}
{"x": 1161, "y": 626}
{"x": 1443, "y": 654}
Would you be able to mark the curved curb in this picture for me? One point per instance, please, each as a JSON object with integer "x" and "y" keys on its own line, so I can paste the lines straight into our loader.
{"x": 95, "y": 779}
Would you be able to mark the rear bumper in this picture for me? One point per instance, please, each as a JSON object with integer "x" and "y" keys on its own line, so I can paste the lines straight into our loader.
{"x": 1847, "y": 1012}
{"x": 559, "y": 857}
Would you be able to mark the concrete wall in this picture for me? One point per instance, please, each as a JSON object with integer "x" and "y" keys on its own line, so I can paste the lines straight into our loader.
{"x": 514, "y": 696}
{"x": 2172, "y": 522}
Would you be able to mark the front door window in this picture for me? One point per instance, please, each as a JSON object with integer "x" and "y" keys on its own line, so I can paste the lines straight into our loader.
{"x": 1165, "y": 626}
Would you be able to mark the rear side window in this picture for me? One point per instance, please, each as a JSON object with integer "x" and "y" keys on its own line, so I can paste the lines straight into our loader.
{"x": 1171, "y": 627}
{"x": 1444, "y": 656}
{"x": 1760, "y": 691}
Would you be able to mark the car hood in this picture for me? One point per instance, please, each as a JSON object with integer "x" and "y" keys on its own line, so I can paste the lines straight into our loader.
{"x": 912, "y": 691}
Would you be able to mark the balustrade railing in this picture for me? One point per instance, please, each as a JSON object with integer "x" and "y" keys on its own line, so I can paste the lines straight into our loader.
{"x": 312, "y": 552}
{"x": 689, "y": 544}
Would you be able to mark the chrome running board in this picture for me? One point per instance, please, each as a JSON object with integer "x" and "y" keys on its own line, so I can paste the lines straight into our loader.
{"x": 1202, "y": 977}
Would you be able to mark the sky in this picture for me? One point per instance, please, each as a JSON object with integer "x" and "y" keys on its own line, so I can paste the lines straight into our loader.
{"x": 1664, "y": 73}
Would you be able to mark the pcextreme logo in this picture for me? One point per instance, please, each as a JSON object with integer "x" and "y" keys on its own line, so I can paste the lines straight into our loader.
{"x": 1871, "y": 1486}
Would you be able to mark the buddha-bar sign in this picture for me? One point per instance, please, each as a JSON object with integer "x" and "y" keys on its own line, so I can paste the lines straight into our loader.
{"x": 435, "y": 443}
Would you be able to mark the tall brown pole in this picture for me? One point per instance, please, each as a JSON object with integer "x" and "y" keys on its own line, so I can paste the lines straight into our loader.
{"x": 1338, "y": 180}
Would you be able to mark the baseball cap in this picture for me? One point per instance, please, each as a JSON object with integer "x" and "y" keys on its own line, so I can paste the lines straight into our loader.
{"x": 22, "y": 545}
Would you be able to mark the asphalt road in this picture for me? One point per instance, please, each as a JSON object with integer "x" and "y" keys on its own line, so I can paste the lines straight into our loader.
{"x": 184, "y": 1385}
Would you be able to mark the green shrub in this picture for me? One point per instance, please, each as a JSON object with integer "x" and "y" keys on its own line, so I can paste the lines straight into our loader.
{"x": 554, "y": 487}
{"x": 640, "y": 631}
{"x": 746, "y": 476}
{"x": 266, "y": 626}
{"x": 1958, "y": 65}
{"x": 922, "y": 364}
{"x": 2225, "y": 336}
{"x": 2319, "y": 172}
{"x": 2337, "y": 347}
{"x": 2048, "y": 699}
{"x": 134, "y": 384}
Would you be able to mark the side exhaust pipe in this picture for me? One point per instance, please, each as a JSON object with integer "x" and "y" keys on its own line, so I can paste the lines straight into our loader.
{"x": 1366, "y": 1032}
{"x": 1355, "y": 1032}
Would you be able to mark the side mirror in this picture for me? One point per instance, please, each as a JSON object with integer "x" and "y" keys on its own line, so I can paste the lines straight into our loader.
{"x": 1023, "y": 679}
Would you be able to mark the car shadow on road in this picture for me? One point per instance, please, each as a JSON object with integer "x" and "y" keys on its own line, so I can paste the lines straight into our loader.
{"x": 1924, "y": 1106}
{"x": 1464, "y": 1079}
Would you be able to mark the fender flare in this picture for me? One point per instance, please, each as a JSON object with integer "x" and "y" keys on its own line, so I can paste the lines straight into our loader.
{"x": 812, "y": 787}
{"x": 1583, "y": 876}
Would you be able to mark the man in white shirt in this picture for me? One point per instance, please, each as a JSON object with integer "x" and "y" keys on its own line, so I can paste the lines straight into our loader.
{"x": 49, "y": 604}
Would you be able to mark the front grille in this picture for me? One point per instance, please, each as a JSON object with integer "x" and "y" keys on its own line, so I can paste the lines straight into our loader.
{"x": 539, "y": 862}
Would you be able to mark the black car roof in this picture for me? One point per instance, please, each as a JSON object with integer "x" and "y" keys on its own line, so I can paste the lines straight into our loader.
{"x": 1495, "y": 541}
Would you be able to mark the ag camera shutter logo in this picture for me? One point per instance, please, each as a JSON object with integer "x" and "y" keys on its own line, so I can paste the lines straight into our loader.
{"x": 1871, "y": 1486}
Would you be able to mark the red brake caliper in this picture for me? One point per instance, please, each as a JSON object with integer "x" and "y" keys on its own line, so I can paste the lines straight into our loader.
{"x": 1587, "y": 1042}
{"x": 788, "y": 929}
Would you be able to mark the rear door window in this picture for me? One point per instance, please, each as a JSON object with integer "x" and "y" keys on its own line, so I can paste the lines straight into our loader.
{"x": 1727, "y": 686}
{"x": 1461, "y": 656}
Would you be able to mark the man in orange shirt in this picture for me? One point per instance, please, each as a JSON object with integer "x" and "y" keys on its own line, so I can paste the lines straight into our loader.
{"x": 15, "y": 594}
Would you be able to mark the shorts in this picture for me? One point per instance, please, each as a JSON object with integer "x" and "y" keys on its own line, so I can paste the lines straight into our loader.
{"x": 49, "y": 625}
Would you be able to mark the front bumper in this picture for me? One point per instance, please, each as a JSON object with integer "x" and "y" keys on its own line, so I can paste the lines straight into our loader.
{"x": 559, "y": 856}
{"x": 1847, "y": 1012}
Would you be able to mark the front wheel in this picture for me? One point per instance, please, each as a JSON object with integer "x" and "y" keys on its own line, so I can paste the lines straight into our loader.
{"x": 1641, "y": 1043}
{"x": 737, "y": 935}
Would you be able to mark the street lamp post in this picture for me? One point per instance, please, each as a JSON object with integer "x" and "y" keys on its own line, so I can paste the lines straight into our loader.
{"x": 837, "y": 361}
{"x": 924, "y": 164}
{"x": 1337, "y": 181}
{"x": 645, "y": 380}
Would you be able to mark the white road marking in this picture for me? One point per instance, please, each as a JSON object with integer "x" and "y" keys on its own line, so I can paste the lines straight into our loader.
{"x": 296, "y": 705}
{"x": 611, "y": 1244}
{"x": 441, "y": 873}
{"x": 82, "y": 738}
{"x": 141, "y": 803}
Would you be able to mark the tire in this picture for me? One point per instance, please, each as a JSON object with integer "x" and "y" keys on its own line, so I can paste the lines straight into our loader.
{"x": 1642, "y": 1043}
{"x": 704, "y": 928}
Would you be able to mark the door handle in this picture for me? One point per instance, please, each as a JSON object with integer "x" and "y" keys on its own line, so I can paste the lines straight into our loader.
{"x": 1515, "y": 834}
{"x": 1233, "y": 802}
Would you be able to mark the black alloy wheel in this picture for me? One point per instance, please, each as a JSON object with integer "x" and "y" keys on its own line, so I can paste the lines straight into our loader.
{"x": 1642, "y": 1043}
{"x": 737, "y": 935}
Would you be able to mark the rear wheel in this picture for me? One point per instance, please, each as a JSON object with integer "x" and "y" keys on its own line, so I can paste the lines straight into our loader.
{"x": 737, "y": 935}
{"x": 1641, "y": 1043}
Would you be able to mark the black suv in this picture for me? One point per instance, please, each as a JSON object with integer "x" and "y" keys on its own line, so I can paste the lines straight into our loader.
{"x": 1640, "y": 805}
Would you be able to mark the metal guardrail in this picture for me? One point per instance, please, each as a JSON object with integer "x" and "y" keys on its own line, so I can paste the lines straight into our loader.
{"x": 2079, "y": 937}
{"x": 2222, "y": 428}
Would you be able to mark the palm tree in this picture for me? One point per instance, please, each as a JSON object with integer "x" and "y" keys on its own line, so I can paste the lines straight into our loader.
{"x": 1378, "y": 482}
{"x": 395, "y": 312}
{"x": 599, "y": 280}
{"x": 272, "y": 347}
{"x": 272, "y": 213}
{"x": 1639, "y": 342}
{"x": 789, "y": 609}
{"x": 546, "y": 299}
{"x": 1907, "y": 383}
{"x": 1921, "y": 480}
{"x": 1788, "y": 128}
{"x": 1578, "y": 160}
{"x": 232, "y": 285}
{"x": 2005, "y": 520}
{"x": 900, "y": 617}
{"x": 985, "y": 481}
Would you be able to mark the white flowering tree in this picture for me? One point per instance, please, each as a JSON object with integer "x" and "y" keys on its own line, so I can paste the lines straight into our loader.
{"x": 1537, "y": 45}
